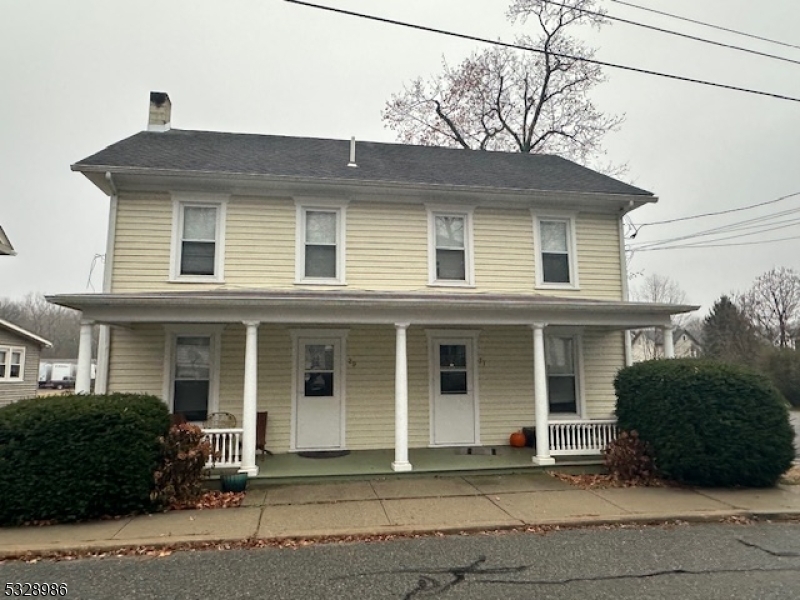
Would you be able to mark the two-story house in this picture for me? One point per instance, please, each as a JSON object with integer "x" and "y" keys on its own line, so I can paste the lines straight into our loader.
{"x": 366, "y": 295}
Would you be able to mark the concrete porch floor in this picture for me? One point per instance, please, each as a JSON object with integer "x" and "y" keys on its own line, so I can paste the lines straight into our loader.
{"x": 285, "y": 468}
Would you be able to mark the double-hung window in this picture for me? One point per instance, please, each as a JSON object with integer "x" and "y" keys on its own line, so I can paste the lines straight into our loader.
{"x": 450, "y": 248}
{"x": 12, "y": 363}
{"x": 192, "y": 381}
{"x": 562, "y": 374}
{"x": 198, "y": 238}
{"x": 555, "y": 258}
{"x": 320, "y": 244}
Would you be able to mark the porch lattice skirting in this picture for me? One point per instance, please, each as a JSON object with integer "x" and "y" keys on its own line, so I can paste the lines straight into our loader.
{"x": 226, "y": 447}
{"x": 581, "y": 437}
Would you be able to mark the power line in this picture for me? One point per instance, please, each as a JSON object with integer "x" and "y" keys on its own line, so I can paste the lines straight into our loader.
{"x": 601, "y": 63}
{"x": 671, "y": 32}
{"x": 699, "y": 247}
{"x": 705, "y": 24}
{"x": 720, "y": 212}
{"x": 764, "y": 228}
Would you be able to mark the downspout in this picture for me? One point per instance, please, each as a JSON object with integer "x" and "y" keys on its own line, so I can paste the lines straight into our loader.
{"x": 104, "y": 339}
{"x": 623, "y": 267}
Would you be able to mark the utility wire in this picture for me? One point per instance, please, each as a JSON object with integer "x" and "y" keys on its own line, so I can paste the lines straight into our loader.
{"x": 705, "y": 24}
{"x": 601, "y": 63}
{"x": 754, "y": 223}
{"x": 671, "y": 32}
{"x": 720, "y": 212}
{"x": 759, "y": 230}
{"x": 698, "y": 247}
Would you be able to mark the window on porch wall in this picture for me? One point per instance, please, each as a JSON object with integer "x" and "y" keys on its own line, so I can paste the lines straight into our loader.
{"x": 192, "y": 377}
{"x": 11, "y": 363}
{"x": 562, "y": 385}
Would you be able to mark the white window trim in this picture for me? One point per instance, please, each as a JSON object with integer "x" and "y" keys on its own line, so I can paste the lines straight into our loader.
{"x": 444, "y": 336}
{"x": 469, "y": 249}
{"x": 184, "y": 199}
{"x": 9, "y": 350}
{"x": 171, "y": 334}
{"x": 572, "y": 248}
{"x": 340, "y": 367}
{"x": 580, "y": 400}
{"x": 324, "y": 205}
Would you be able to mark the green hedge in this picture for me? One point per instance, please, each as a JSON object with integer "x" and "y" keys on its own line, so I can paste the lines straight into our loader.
{"x": 68, "y": 458}
{"x": 707, "y": 423}
{"x": 783, "y": 367}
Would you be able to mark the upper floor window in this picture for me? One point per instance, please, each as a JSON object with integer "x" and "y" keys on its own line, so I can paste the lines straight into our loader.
{"x": 12, "y": 363}
{"x": 555, "y": 258}
{"x": 198, "y": 234}
{"x": 320, "y": 244}
{"x": 450, "y": 248}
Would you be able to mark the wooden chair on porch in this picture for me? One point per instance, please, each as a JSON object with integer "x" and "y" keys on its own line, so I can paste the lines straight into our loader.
{"x": 261, "y": 432}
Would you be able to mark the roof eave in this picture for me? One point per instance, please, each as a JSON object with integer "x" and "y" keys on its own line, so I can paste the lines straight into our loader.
{"x": 25, "y": 333}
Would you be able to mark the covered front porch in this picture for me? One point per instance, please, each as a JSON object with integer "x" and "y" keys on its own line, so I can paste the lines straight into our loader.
{"x": 455, "y": 340}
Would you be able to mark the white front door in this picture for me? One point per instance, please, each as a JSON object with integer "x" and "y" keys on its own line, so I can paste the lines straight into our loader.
{"x": 318, "y": 402}
{"x": 453, "y": 411}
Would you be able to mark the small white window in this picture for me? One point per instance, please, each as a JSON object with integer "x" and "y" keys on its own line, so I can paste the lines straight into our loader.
{"x": 320, "y": 244}
{"x": 12, "y": 363}
{"x": 450, "y": 248}
{"x": 198, "y": 239}
{"x": 555, "y": 257}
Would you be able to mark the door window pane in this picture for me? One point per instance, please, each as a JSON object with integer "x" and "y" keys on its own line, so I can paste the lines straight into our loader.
{"x": 319, "y": 366}
{"x": 453, "y": 382}
{"x": 452, "y": 355}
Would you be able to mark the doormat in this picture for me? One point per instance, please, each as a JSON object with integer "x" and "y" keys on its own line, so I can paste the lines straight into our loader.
{"x": 477, "y": 451}
{"x": 323, "y": 453}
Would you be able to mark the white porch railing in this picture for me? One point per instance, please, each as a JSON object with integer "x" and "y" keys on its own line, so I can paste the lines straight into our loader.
{"x": 226, "y": 447}
{"x": 581, "y": 437}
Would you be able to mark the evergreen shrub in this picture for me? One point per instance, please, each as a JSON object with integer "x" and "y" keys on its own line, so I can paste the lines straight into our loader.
{"x": 77, "y": 457}
{"x": 707, "y": 423}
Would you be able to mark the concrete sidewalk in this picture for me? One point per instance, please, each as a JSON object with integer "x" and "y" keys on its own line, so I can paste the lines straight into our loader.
{"x": 406, "y": 505}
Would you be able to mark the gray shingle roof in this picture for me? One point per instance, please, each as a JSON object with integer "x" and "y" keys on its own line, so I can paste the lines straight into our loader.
{"x": 270, "y": 155}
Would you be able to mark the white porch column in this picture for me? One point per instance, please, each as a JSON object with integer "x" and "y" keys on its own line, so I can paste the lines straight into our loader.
{"x": 249, "y": 402}
{"x": 400, "y": 462}
{"x": 628, "y": 348}
{"x": 101, "y": 377}
{"x": 669, "y": 346}
{"x": 83, "y": 378}
{"x": 540, "y": 400}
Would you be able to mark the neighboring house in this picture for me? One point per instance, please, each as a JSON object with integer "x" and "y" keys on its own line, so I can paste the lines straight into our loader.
{"x": 648, "y": 344}
{"x": 19, "y": 362}
{"x": 19, "y": 352}
{"x": 366, "y": 295}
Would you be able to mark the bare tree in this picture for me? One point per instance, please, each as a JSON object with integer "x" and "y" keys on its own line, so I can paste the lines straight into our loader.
{"x": 773, "y": 306}
{"x": 513, "y": 100}
{"x": 59, "y": 325}
{"x": 662, "y": 290}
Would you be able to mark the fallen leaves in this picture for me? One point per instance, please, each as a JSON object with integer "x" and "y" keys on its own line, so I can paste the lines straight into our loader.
{"x": 604, "y": 480}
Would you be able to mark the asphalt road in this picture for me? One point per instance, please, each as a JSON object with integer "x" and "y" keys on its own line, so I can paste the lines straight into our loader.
{"x": 702, "y": 562}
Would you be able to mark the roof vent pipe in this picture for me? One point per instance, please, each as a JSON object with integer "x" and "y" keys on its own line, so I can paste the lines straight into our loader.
{"x": 352, "y": 162}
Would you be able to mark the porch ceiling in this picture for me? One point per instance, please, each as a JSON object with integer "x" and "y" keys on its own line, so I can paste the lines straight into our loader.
{"x": 349, "y": 307}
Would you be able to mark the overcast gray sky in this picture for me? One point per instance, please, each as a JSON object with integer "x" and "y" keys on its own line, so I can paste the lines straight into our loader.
{"x": 76, "y": 76}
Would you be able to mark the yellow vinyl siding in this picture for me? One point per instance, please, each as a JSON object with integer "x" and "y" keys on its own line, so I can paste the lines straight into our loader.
{"x": 386, "y": 248}
{"x": 142, "y": 243}
{"x": 599, "y": 271}
{"x": 504, "y": 257}
{"x": 260, "y": 242}
{"x": 137, "y": 360}
{"x": 603, "y": 357}
{"x": 505, "y": 380}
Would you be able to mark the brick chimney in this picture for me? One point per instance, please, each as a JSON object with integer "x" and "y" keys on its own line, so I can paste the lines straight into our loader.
{"x": 160, "y": 112}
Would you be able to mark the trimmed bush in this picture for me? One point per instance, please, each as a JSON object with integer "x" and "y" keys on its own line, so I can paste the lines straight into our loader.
{"x": 707, "y": 423}
{"x": 69, "y": 458}
{"x": 179, "y": 476}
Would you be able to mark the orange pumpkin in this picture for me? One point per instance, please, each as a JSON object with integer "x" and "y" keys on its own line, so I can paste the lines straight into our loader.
{"x": 517, "y": 439}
